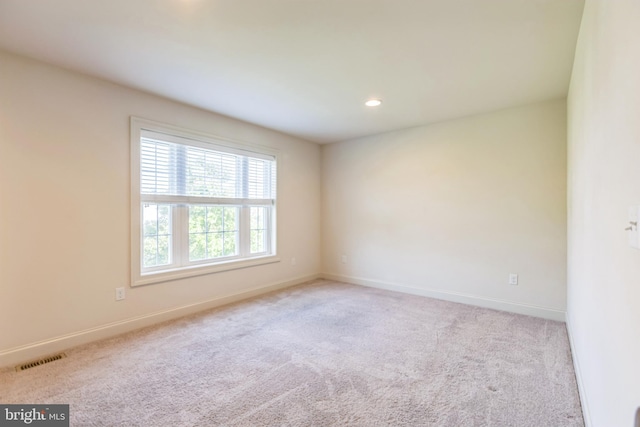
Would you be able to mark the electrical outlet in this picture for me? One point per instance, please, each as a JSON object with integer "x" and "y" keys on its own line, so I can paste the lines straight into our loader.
{"x": 513, "y": 279}
{"x": 293, "y": 261}
{"x": 344, "y": 259}
{"x": 119, "y": 294}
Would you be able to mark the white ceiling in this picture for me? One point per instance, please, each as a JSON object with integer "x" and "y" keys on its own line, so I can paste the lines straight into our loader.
{"x": 305, "y": 67}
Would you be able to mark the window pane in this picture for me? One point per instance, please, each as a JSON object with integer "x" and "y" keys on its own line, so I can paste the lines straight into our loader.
{"x": 258, "y": 229}
{"x": 163, "y": 250}
{"x": 150, "y": 251}
{"x": 257, "y": 241}
{"x": 197, "y": 246}
{"x": 164, "y": 220}
{"x": 230, "y": 243}
{"x": 150, "y": 220}
{"x": 230, "y": 218}
{"x": 156, "y": 232}
{"x": 214, "y": 218}
{"x": 155, "y": 166}
{"x": 215, "y": 245}
{"x": 261, "y": 176}
{"x": 211, "y": 173}
{"x": 197, "y": 219}
{"x": 256, "y": 179}
{"x": 213, "y": 232}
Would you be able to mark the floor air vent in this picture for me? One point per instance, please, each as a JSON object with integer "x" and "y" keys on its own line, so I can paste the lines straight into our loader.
{"x": 39, "y": 362}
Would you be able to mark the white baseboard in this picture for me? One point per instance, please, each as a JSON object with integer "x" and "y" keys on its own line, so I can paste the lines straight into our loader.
{"x": 17, "y": 355}
{"x": 496, "y": 304}
{"x": 579, "y": 378}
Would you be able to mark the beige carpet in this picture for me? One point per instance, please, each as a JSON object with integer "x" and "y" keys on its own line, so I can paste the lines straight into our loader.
{"x": 320, "y": 354}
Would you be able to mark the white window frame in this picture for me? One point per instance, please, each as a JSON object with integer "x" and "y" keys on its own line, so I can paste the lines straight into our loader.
{"x": 178, "y": 269}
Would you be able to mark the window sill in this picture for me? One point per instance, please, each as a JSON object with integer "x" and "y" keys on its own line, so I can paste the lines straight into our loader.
{"x": 182, "y": 273}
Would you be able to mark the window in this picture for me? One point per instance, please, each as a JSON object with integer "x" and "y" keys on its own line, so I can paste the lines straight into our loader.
{"x": 200, "y": 204}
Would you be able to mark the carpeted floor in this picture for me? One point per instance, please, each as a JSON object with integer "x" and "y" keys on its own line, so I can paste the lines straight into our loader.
{"x": 320, "y": 354}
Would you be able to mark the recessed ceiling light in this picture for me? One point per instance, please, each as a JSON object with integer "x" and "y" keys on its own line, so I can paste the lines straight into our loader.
{"x": 373, "y": 103}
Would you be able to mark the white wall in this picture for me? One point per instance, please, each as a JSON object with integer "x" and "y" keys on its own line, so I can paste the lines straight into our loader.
{"x": 65, "y": 210}
{"x": 449, "y": 210}
{"x": 604, "y": 181}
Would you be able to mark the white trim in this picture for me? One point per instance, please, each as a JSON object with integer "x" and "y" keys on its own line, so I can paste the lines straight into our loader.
{"x": 164, "y": 129}
{"x": 586, "y": 415}
{"x": 134, "y": 200}
{"x": 496, "y": 304}
{"x": 15, "y": 356}
{"x": 201, "y": 269}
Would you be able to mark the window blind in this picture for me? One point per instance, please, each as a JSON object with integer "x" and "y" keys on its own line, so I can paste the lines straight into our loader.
{"x": 195, "y": 174}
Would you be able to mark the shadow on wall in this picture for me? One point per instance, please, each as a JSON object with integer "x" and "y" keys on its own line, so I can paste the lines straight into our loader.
{"x": 638, "y": 417}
